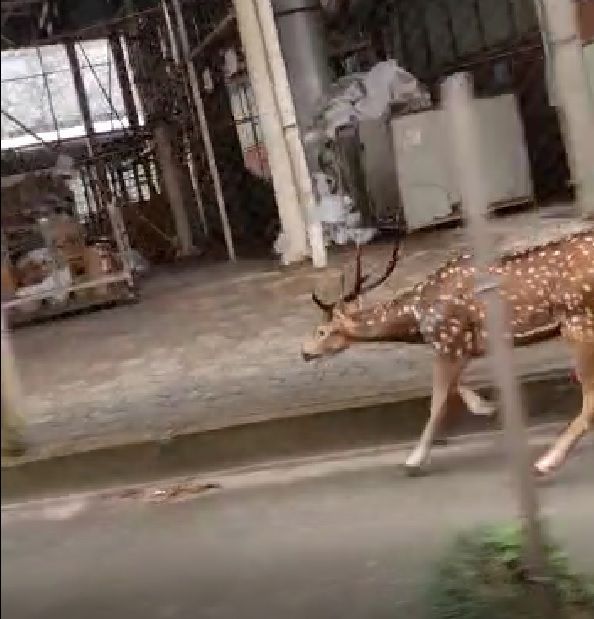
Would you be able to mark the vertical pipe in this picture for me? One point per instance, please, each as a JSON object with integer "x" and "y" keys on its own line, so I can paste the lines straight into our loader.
{"x": 287, "y": 197}
{"x": 285, "y": 105}
{"x": 304, "y": 47}
{"x": 195, "y": 88}
{"x": 465, "y": 149}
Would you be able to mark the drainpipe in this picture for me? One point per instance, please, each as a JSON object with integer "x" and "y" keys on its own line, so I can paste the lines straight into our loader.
{"x": 286, "y": 108}
{"x": 286, "y": 193}
{"x": 303, "y": 44}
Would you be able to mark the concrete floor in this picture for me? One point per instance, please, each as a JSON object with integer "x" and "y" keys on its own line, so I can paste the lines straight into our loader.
{"x": 216, "y": 346}
{"x": 347, "y": 538}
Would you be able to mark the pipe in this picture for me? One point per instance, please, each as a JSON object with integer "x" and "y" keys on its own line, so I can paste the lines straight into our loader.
{"x": 463, "y": 129}
{"x": 287, "y": 196}
{"x": 286, "y": 108}
{"x": 303, "y": 43}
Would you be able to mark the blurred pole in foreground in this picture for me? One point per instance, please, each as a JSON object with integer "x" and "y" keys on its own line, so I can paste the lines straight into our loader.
{"x": 570, "y": 92}
{"x": 13, "y": 441}
{"x": 457, "y": 98}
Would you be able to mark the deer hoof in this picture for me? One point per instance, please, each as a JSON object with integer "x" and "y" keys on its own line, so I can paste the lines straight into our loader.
{"x": 415, "y": 470}
{"x": 544, "y": 477}
{"x": 546, "y": 466}
{"x": 485, "y": 409}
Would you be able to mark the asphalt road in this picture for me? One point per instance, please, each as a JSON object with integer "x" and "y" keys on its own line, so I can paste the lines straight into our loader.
{"x": 347, "y": 537}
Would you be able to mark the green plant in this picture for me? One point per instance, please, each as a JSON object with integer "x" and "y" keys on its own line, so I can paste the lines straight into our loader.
{"x": 482, "y": 577}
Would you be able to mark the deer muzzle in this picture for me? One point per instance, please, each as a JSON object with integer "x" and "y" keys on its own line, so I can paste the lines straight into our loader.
{"x": 308, "y": 356}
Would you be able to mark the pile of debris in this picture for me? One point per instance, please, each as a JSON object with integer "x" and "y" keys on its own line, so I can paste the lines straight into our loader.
{"x": 375, "y": 95}
{"x": 47, "y": 260}
{"x": 45, "y": 274}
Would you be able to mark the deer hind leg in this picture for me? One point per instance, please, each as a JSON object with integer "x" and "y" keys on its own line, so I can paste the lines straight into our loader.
{"x": 475, "y": 403}
{"x": 557, "y": 454}
{"x": 445, "y": 377}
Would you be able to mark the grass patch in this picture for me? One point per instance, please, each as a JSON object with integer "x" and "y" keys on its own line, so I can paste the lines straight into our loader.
{"x": 481, "y": 577}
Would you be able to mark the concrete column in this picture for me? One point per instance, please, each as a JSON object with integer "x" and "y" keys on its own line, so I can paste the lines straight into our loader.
{"x": 13, "y": 441}
{"x": 287, "y": 196}
{"x": 303, "y": 43}
{"x": 286, "y": 107}
{"x": 570, "y": 92}
{"x": 172, "y": 185}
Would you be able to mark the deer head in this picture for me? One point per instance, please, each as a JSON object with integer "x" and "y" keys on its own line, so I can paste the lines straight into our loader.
{"x": 342, "y": 325}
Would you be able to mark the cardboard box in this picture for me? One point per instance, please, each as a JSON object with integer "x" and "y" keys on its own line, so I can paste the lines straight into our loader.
{"x": 100, "y": 261}
{"x": 66, "y": 240}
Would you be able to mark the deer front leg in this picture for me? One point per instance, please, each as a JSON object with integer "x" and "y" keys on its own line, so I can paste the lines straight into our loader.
{"x": 445, "y": 375}
{"x": 558, "y": 453}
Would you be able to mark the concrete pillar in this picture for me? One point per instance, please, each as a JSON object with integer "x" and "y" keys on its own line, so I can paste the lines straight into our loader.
{"x": 286, "y": 107}
{"x": 287, "y": 197}
{"x": 570, "y": 92}
{"x": 13, "y": 441}
{"x": 173, "y": 186}
{"x": 303, "y": 43}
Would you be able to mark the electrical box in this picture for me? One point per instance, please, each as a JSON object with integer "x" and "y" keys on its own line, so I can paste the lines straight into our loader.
{"x": 426, "y": 181}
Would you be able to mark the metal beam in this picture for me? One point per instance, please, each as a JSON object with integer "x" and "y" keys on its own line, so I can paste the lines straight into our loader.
{"x": 219, "y": 30}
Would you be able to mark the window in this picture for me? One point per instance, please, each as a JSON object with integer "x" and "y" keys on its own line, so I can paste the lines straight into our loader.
{"x": 38, "y": 91}
{"x": 247, "y": 124}
{"x": 102, "y": 85}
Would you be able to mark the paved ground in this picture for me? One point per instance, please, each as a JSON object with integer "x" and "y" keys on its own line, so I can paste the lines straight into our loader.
{"x": 347, "y": 538}
{"x": 211, "y": 347}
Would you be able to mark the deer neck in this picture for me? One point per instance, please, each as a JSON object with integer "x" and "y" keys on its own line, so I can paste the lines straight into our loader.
{"x": 393, "y": 321}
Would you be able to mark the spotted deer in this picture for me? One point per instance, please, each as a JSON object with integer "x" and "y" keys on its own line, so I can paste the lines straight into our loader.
{"x": 548, "y": 292}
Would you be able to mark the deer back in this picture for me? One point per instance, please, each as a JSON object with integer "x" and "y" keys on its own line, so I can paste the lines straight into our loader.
{"x": 543, "y": 288}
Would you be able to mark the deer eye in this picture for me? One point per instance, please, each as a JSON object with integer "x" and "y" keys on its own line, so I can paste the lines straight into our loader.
{"x": 322, "y": 332}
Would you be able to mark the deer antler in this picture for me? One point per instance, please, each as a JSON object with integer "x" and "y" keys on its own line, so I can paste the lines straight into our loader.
{"x": 325, "y": 307}
{"x": 360, "y": 287}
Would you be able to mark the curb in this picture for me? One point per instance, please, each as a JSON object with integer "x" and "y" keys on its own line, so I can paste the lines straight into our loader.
{"x": 548, "y": 398}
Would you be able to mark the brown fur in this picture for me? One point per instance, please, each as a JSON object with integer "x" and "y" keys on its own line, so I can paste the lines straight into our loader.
{"x": 548, "y": 290}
